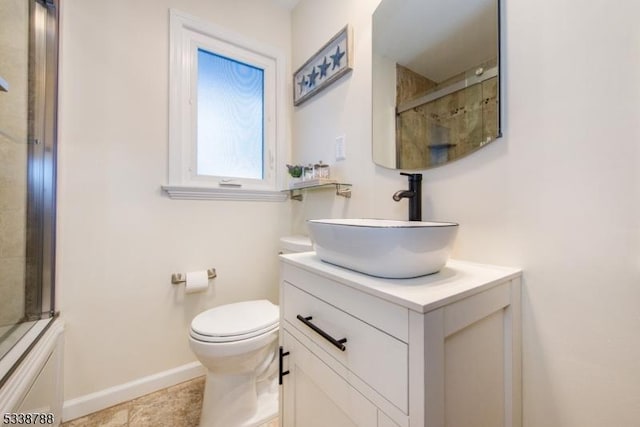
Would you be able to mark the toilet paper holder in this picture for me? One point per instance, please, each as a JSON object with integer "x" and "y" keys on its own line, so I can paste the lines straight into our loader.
{"x": 177, "y": 278}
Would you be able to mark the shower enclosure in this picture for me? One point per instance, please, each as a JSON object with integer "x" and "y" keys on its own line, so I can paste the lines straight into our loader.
{"x": 28, "y": 78}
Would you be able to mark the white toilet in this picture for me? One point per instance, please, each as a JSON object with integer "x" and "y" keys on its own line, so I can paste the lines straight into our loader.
{"x": 237, "y": 344}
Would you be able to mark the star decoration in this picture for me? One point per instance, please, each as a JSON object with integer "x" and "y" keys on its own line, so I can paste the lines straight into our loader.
{"x": 302, "y": 83}
{"x": 323, "y": 68}
{"x": 312, "y": 77}
{"x": 331, "y": 61}
{"x": 337, "y": 57}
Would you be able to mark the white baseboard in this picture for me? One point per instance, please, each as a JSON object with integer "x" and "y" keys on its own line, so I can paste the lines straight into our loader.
{"x": 85, "y": 405}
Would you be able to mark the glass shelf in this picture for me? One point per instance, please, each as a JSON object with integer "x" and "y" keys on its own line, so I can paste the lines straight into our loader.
{"x": 296, "y": 193}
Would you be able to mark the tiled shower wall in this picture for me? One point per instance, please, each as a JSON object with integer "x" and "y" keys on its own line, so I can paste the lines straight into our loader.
{"x": 13, "y": 157}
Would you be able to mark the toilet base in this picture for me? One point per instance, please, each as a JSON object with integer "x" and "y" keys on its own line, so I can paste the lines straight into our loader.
{"x": 253, "y": 413}
{"x": 267, "y": 405}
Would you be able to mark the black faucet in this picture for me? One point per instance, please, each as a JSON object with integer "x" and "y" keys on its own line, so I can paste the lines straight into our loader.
{"x": 414, "y": 194}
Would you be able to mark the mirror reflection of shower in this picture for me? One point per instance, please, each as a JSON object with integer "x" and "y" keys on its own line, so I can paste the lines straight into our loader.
{"x": 466, "y": 106}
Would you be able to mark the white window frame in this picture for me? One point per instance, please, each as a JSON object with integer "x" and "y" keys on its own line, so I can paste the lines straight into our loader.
{"x": 187, "y": 35}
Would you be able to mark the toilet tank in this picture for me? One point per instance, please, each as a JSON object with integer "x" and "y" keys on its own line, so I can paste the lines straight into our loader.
{"x": 294, "y": 244}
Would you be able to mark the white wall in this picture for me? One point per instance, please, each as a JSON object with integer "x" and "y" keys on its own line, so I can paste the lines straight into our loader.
{"x": 119, "y": 236}
{"x": 342, "y": 109}
{"x": 559, "y": 195}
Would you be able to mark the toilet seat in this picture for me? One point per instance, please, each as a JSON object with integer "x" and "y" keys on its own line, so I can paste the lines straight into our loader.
{"x": 234, "y": 338}
{"x": 235, "y": 322}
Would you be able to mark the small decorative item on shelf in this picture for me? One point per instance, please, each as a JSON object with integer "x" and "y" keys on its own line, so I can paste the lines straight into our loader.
{"x": 308, "y": 173}
{"x": 295, "y": 172}
{"x": 321, "y": 170}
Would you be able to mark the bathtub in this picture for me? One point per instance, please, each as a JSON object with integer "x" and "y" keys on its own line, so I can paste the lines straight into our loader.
{"x": 32, "y": 373}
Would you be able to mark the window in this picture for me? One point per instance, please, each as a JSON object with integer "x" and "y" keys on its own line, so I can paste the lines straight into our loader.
{"x": 230, "y": 131}
{"x": 225, "y": 117}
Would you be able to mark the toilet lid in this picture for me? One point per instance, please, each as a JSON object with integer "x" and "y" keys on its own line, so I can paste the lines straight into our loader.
{"x": 237, "y": 320}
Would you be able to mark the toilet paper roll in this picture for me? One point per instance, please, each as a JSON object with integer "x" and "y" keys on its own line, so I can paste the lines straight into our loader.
{"x": 197, "y": 281}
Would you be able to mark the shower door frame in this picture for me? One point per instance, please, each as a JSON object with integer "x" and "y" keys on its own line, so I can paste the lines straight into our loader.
{"x": 42, "y": 152}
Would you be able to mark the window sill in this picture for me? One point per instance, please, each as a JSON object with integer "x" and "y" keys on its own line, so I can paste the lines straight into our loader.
{"x": 180, "y": 192}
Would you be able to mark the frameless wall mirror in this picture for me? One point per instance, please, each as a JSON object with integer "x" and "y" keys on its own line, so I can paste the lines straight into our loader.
{"x": 436, "y": 73}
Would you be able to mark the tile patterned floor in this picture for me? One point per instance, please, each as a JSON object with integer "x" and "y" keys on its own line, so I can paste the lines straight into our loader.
{"x": 177, "y": 406}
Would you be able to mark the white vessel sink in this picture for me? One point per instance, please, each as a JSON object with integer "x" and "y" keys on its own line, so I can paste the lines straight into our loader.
{"x": 384, "y": 248}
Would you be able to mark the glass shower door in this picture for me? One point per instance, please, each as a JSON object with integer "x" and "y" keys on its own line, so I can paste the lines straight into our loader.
{"x": 28, "y": 75}
{"x": 14, "y": 93}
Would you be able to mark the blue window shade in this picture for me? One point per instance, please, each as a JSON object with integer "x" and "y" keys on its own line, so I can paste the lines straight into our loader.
{"x": 230, "y": 119}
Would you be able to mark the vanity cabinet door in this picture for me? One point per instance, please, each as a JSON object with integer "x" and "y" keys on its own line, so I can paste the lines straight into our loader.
{"x": 316, "y": 396}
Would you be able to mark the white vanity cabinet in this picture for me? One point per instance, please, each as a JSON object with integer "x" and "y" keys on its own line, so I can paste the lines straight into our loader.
{"x": 434, "y": 351}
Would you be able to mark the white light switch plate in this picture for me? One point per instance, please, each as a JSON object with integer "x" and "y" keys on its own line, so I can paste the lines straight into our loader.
{"x": 341, "y": 150}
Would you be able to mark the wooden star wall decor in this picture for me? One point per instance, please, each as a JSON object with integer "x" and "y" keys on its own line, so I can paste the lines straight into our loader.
{"x": 331, "y": 62}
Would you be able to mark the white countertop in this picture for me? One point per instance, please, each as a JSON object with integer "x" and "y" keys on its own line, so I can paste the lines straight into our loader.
{"x": 458, "y": 279}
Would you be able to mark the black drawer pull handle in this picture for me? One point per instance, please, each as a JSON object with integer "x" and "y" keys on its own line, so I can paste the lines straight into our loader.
{"x": 323, "y": 334}
{"x": 281, "y": 371}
